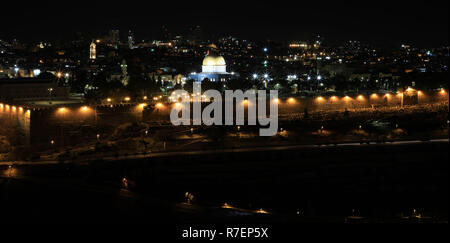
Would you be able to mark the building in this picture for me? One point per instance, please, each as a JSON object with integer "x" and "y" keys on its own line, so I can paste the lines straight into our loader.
{"x": 214, "y": 68}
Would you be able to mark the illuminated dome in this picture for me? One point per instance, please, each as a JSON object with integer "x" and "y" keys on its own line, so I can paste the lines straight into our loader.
{"x": 214, "y": 64}
{"x": 214, "y": 61}
{"x": 214, "y": 68}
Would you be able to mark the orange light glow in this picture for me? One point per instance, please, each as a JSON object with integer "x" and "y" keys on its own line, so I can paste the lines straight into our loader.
{"x": 374, "y": 96}
{"x": 291, "y": 100}
{"x": 262, "y": 211}
{"x": 347, "y": 98}
{"x": 360, "y": 97}
{"x": 333, "y": 98}
{"x": 109, "y": 99}
{"x": 127, "y": 99}
{"x": 84, "y": 108}
{"x": 62, "y": 109}
{"x": 159, "y": 105}
{"x": 226, "y": 205}
{"x": 320, "y": 98}
{"x": 443, "y": 92}
{"x": 142, "y": 106}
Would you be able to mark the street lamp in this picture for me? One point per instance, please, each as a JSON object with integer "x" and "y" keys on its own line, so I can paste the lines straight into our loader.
{"x": 50, "y": 90}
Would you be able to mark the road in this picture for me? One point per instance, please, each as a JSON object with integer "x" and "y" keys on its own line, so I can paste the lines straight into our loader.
{"x": 232, "y": 150}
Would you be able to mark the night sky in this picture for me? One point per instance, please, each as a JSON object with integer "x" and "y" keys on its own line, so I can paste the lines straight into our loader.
{"x": 421, "y": 23}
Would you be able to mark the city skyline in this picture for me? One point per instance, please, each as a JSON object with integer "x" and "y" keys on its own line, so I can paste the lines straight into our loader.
{"x": 262, "y": 117}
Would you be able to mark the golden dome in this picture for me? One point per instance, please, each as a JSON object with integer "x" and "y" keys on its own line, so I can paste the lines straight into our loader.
{"x": 214, "y": 61}
{"x": 212, "y": 46}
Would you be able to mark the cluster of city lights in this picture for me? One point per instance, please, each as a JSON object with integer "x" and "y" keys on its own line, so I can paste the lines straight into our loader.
{"x": 373, "y": 96}
{"x": 13, "y": 108}
{"x": 86, "y": 109}
{"x": 175, "y": 100}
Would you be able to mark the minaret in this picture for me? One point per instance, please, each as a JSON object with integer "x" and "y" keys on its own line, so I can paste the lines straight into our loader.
{"x": 93, "y": 51}
{"x": 130, "y": 40}
{"x": 125, "y": 77}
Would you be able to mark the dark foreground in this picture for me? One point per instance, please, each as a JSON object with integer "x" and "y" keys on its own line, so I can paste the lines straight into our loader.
{"x": 372, "y": 183}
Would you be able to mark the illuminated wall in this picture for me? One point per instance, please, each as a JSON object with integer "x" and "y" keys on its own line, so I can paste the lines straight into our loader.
{"x": 15, "y": 126}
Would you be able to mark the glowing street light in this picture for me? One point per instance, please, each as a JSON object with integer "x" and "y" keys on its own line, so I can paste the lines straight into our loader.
{"x": 159, "y": 105}
{"x": 84, "y": 108}
{"x": 360, "y": 97}
{"x": 320, "y": 99}
{"x": 127, "y": 99}
{"x": 291, "y": 100}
